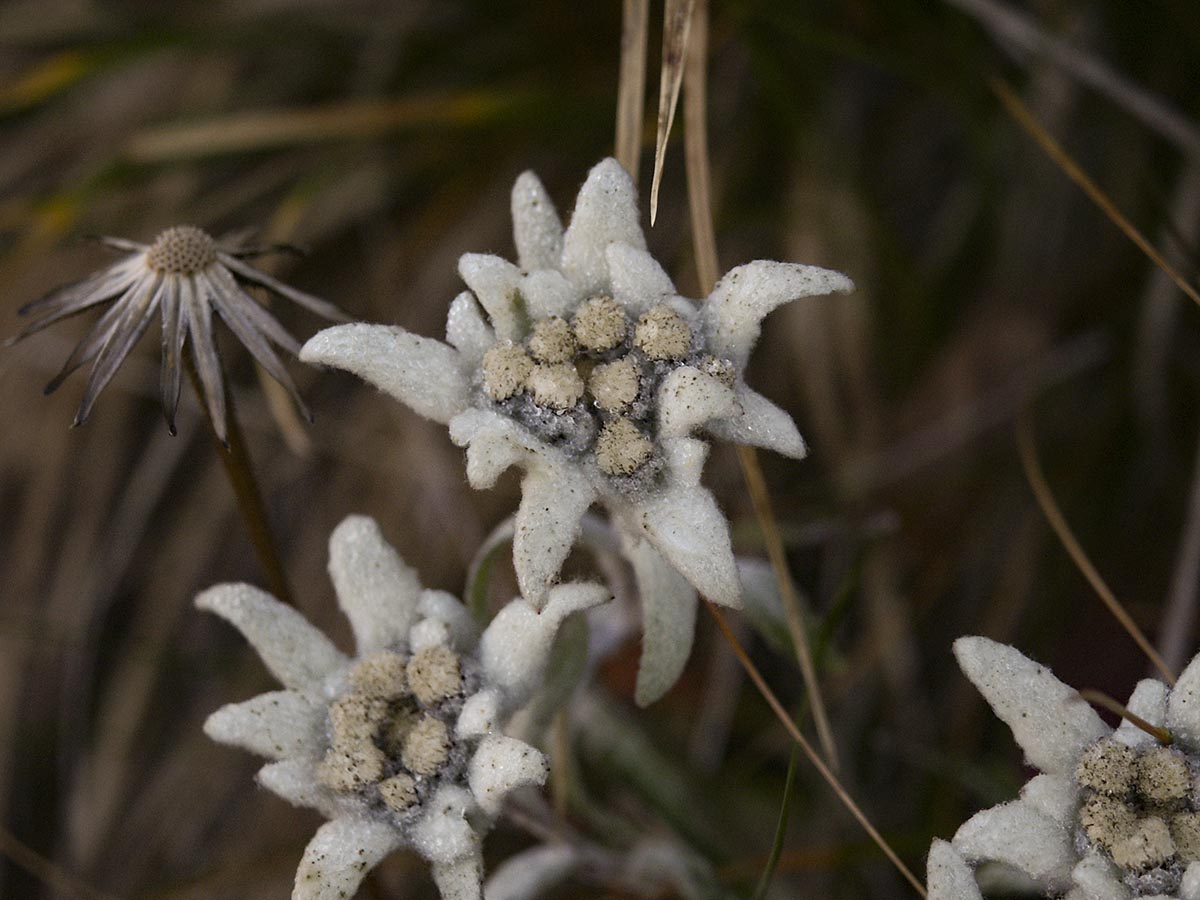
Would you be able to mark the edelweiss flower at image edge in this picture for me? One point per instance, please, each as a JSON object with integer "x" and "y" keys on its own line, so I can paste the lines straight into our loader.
{"x": 1112, "y": 815}
{"x": 189, "y": 276}
{"x": 400, "y": 745}
{"x": 591, "y": 373}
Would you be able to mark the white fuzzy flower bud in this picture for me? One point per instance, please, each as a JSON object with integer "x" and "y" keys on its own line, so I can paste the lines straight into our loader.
{"x": 661, "y": 333}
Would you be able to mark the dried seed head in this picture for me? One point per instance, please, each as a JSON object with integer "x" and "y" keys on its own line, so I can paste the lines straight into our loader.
{"x": 1106, "y": 820}
{"x": 661, "y": 333}
{"x": 434, "y": 674}
{"x": 556, "y": 386}
{"x": 1185, "y": 831}
{"x": 1163, "y": 775}
{"x": 381, "y": 675}
{"x": 396, "y": 729}
{"x": 614, "y": 385}
{"x": 427, "y": 746}
{"x": 621, "y": 449}
{"x": 1147, "y": 846}
{"x": 398, "y": 792}
{"x": 351, "y": 770}
{"x": 720, "y": 369}
{"x": 552, "y": 341}
{"x": 1109, "y": 767}
{"x": 600, "y": 324}
{"x": 505, "y": 368}
{"x": 181, "y": 250}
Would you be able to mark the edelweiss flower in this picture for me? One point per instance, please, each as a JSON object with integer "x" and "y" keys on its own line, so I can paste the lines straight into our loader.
{"x": 398, "y": 746}
{"x": 189, "y": 276}
{"x": 1113, "y": 814}
{"x": 591, "y": 373}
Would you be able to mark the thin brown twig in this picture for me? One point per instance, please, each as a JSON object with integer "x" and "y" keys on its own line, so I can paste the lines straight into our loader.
{"x": 1020, "y": 112}
{"x": 631, "y": 85}
{"x": 830, "y": 778}
{"x": 1099, "y": 698}
{"x": 677, "y": 24}
{"x": 240, "y": 471}
{"x": 56, "y": 878}
{"x": 699, "y": 182}
{"x": 1045, "y": 498}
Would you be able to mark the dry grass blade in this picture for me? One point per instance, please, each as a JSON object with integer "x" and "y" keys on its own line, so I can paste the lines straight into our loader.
{"x": 699, "y": 182}
{"x": 1014, "y": 28}
{"x": 272, "y": 128}
{"x": 631, "y": 85}
{"x": 46, "y": 871}
{"x": 1020, "y": 112}
{"x": 1045, "y": 499}
{"x": 1179, "y": 620}
{"x": 830, "y": 778}
{"x": 677, "y": 24}
{"x": 1099, "y": 698}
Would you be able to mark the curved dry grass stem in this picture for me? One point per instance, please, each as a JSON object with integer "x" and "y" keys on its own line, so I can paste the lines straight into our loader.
{"x": 1099, "y": 698}
{"x": 631, "y": 85}
{"x": 830, "y": 778}
{"x": 1045, "y": 498}
{"x": 45, "y": 870}
{"x": 699, "y": 182}
{"x": 1020, "y": 112}
{"x": 677, "y": 25}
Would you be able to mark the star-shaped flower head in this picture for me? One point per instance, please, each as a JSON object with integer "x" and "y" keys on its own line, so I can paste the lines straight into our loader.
{"x": 399, "y": 745}
{"x": 188, "y": 276}
{"x": 1113, "y": 814}
{"x": 582, "y": 365}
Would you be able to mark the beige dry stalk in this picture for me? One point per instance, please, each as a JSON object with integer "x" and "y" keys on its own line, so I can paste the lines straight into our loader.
{"x": 699, "y": 180}
{"x": 631, "y": 85}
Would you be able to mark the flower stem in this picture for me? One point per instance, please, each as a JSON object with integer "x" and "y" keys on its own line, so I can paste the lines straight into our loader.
{"x": 240, "y": 471}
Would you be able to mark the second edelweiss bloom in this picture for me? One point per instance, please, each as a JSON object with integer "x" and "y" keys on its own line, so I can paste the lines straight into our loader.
{"x": 400, "y": 745}
{"x": 1113, "y": 814}
{"x": 585, "y": 367}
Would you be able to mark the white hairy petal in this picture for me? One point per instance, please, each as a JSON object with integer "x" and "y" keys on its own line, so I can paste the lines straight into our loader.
{"x": 1190, "y": 888}
{"x": 1049, "y": 720}
{"x": 1149, "y": 701}
{"x": 668, "y": 621}
{"x": 1099, "y": 879}
{"x": 529, "y": 874}
{"x": 443, "y": 833}
{"x": 494, "y": 443}
{"x": 480, "y": 714}
{"x": 947, "y": 875}
{"x": 554, "y": 497}
{"x": 376, "y": 590}
{"x": 1183, "y": 706}
{"x": 1054, "y": 796}
{"x": 466, "y": 330}
{"x": 295, "y": 780}
{"x": 685, "y": 525}
{"x": 688, "y": 398}
{"x": 497, "y": 285}
{"x": 459, "y": 879}
{"x": 1020, "y": 836}
{"x": 537, "y": 231}
{"x": 685, "y": 458}
{"x": 761, "y": 424}
{"x": 638, "y": 281}
{"x": 294, "y": 651}
{"x": 734, "y": 311}
{"x": 275, "y": 725}
{"x": 462, "y": 631}
{"x": 606, "y": 212}
{"x": 502, "y": 764}
{"x": 339, "y": 856}
{"x": 515, "y": 646}
{"x": 423, "y": 374}
{"x": 549, "y": 293}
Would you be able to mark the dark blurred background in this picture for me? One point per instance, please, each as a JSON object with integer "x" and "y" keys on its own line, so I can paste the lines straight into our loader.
{"x": 384, "y": 137}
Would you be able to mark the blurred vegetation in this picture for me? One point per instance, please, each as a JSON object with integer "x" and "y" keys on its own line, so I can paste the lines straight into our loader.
{"x": 384, "y": 137}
